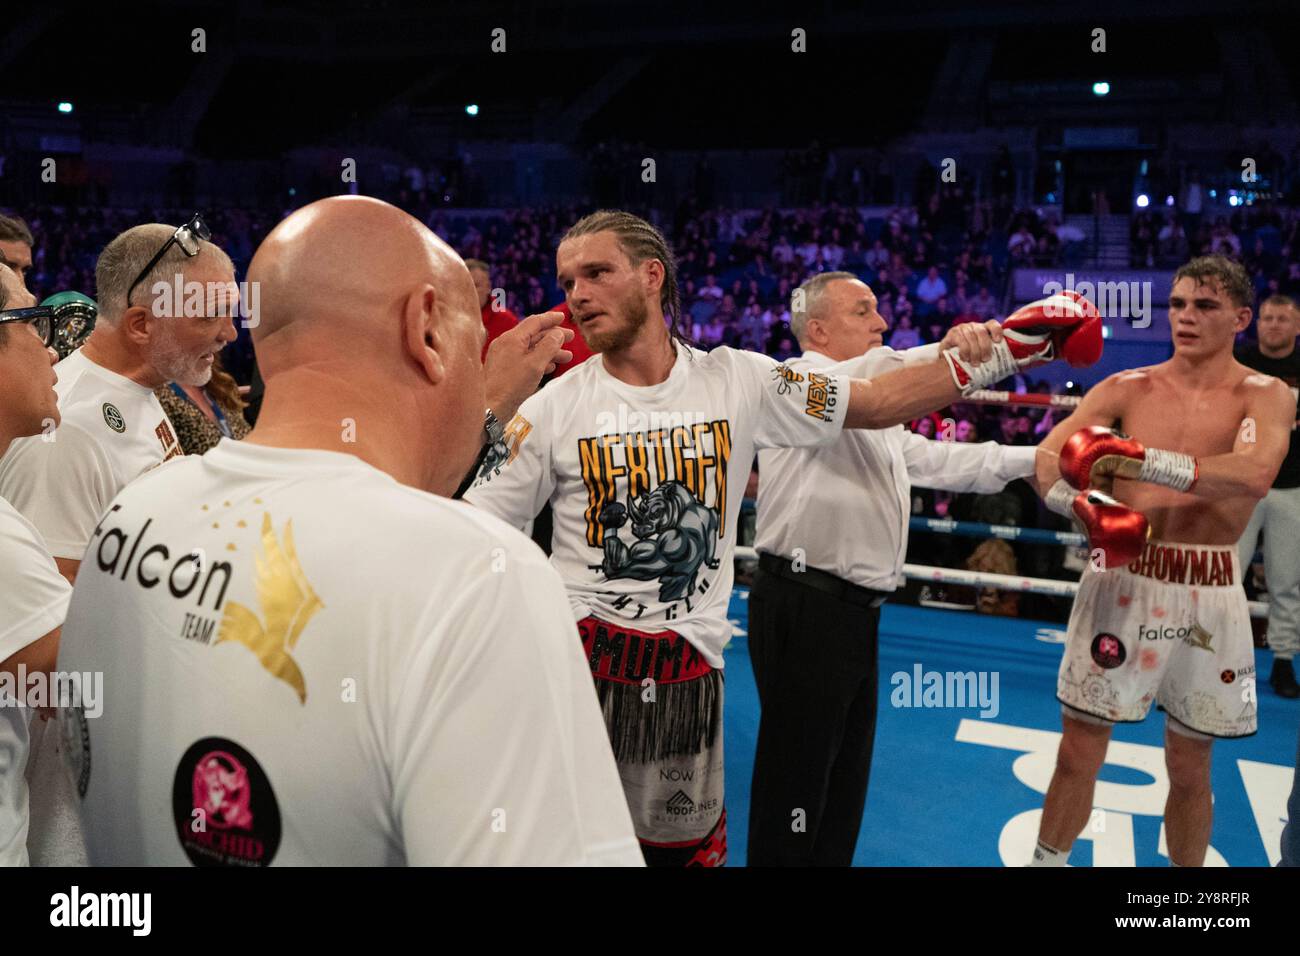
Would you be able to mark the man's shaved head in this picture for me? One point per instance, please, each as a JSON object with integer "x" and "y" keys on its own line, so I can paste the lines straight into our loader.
{"x": 367, "y": 317}
{"x": 350, "y": 259}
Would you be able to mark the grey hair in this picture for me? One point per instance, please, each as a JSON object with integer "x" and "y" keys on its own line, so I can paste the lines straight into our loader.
{"x": 129, "y": 252}
{"x": 811, "y": 290}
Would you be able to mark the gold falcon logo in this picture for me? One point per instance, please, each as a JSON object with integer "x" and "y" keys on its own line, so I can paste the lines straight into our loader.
{"x": 288, "y": 603}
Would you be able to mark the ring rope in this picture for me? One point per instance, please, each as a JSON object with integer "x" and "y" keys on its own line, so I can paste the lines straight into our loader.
{"x": 975, "y": 529}
{"x": 1001, "y": 582}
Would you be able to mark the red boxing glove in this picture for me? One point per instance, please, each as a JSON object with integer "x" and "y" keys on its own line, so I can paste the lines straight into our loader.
{"x": 1078, "y": 343}
{"x": 1096, "y": 456}
{"x": 1065, "y": 325}
{"x": 1115, "y": 529}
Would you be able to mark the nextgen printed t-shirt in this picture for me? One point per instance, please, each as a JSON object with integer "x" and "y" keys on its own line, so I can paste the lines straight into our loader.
{"x": 646, "y": 483}
{"x": 33, "y": 602}
{"x": 112, "y": 431}
{"x": 308, "y": 663}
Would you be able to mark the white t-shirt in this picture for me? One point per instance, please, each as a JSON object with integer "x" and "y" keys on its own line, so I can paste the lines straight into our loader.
{"x": 672, "y": 460}
{"x": 113, "y": 430}
{"x": 349, "y": 672}
{"x": 33, "y": 602}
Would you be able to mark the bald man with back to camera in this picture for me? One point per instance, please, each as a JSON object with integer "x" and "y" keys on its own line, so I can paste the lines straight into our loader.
{"x": 305, "y": 609}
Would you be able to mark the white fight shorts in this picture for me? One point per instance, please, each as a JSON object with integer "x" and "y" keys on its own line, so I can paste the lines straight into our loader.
{"x": 1173, "y": 626}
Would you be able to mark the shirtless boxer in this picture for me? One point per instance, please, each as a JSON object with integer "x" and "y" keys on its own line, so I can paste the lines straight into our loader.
{"x": 1207, "y": 438}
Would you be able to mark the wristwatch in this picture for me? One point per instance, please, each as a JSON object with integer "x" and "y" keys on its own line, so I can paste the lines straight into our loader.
{"x": 492, "y": 428}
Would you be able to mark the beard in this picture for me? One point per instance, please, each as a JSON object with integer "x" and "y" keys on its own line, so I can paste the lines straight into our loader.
{"x": 635, "y": 315}
{"x": 170, "y": 360}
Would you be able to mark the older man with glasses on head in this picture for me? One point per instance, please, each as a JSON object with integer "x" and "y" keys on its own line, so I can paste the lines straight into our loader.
{"x": 113, "y": 427}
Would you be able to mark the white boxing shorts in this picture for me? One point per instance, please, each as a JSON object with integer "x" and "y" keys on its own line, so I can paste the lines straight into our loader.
{"x": 1172, "y": 626}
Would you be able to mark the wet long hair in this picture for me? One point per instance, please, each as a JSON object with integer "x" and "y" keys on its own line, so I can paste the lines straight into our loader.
{"x": 640, "y": 241}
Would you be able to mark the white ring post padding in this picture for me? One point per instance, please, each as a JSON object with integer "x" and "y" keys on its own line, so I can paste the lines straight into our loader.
{"x": 1003, "y": 582}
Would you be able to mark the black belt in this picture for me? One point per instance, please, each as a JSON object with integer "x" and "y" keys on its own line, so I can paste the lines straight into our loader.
{"x": 822, "y": 581}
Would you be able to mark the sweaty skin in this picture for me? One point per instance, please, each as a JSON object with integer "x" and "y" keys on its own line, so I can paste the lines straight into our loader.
{"x": 1237, "y": 423}
{"x": 1208, "y": 425}
{"x": 1202, "y": 402}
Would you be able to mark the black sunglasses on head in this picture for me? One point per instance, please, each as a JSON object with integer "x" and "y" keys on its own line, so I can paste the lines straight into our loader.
{"x": 39, "y": 317}
{"x": 190, "y": 237}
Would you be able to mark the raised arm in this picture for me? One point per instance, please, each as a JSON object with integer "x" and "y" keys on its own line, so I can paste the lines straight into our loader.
{"x": 1061, "y": 326}
{"x": 900, "y": 396}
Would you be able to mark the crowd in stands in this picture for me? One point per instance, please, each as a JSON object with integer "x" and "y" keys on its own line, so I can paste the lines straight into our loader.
{"x": 930, "y": 267}
{"x": 1264, "y": 238}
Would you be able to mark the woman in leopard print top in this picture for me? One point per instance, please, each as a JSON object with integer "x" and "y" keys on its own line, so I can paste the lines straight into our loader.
{"x": 202, "y": 416}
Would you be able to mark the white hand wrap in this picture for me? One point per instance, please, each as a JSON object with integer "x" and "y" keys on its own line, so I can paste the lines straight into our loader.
{"x": 1170, "y": 468}
{"x": 972, "y": 377}
{"x": 1060, "y": 498}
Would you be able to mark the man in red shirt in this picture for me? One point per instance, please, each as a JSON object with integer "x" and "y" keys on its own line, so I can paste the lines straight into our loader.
{"x": 495, "y": 320}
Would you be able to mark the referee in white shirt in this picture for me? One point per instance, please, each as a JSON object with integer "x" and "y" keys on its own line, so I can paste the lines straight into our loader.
{"x": 831, "y": 536}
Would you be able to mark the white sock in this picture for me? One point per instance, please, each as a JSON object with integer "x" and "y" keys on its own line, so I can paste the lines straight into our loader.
{"x": 1045, "y": 855}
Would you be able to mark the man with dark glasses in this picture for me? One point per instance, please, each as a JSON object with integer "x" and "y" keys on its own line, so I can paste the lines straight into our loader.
{"x": 34, "y": 597}
{"x": 39, "y": 317}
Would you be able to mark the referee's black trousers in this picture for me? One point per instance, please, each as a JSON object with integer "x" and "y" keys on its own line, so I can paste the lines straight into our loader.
{"x": 815, "y": 659}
